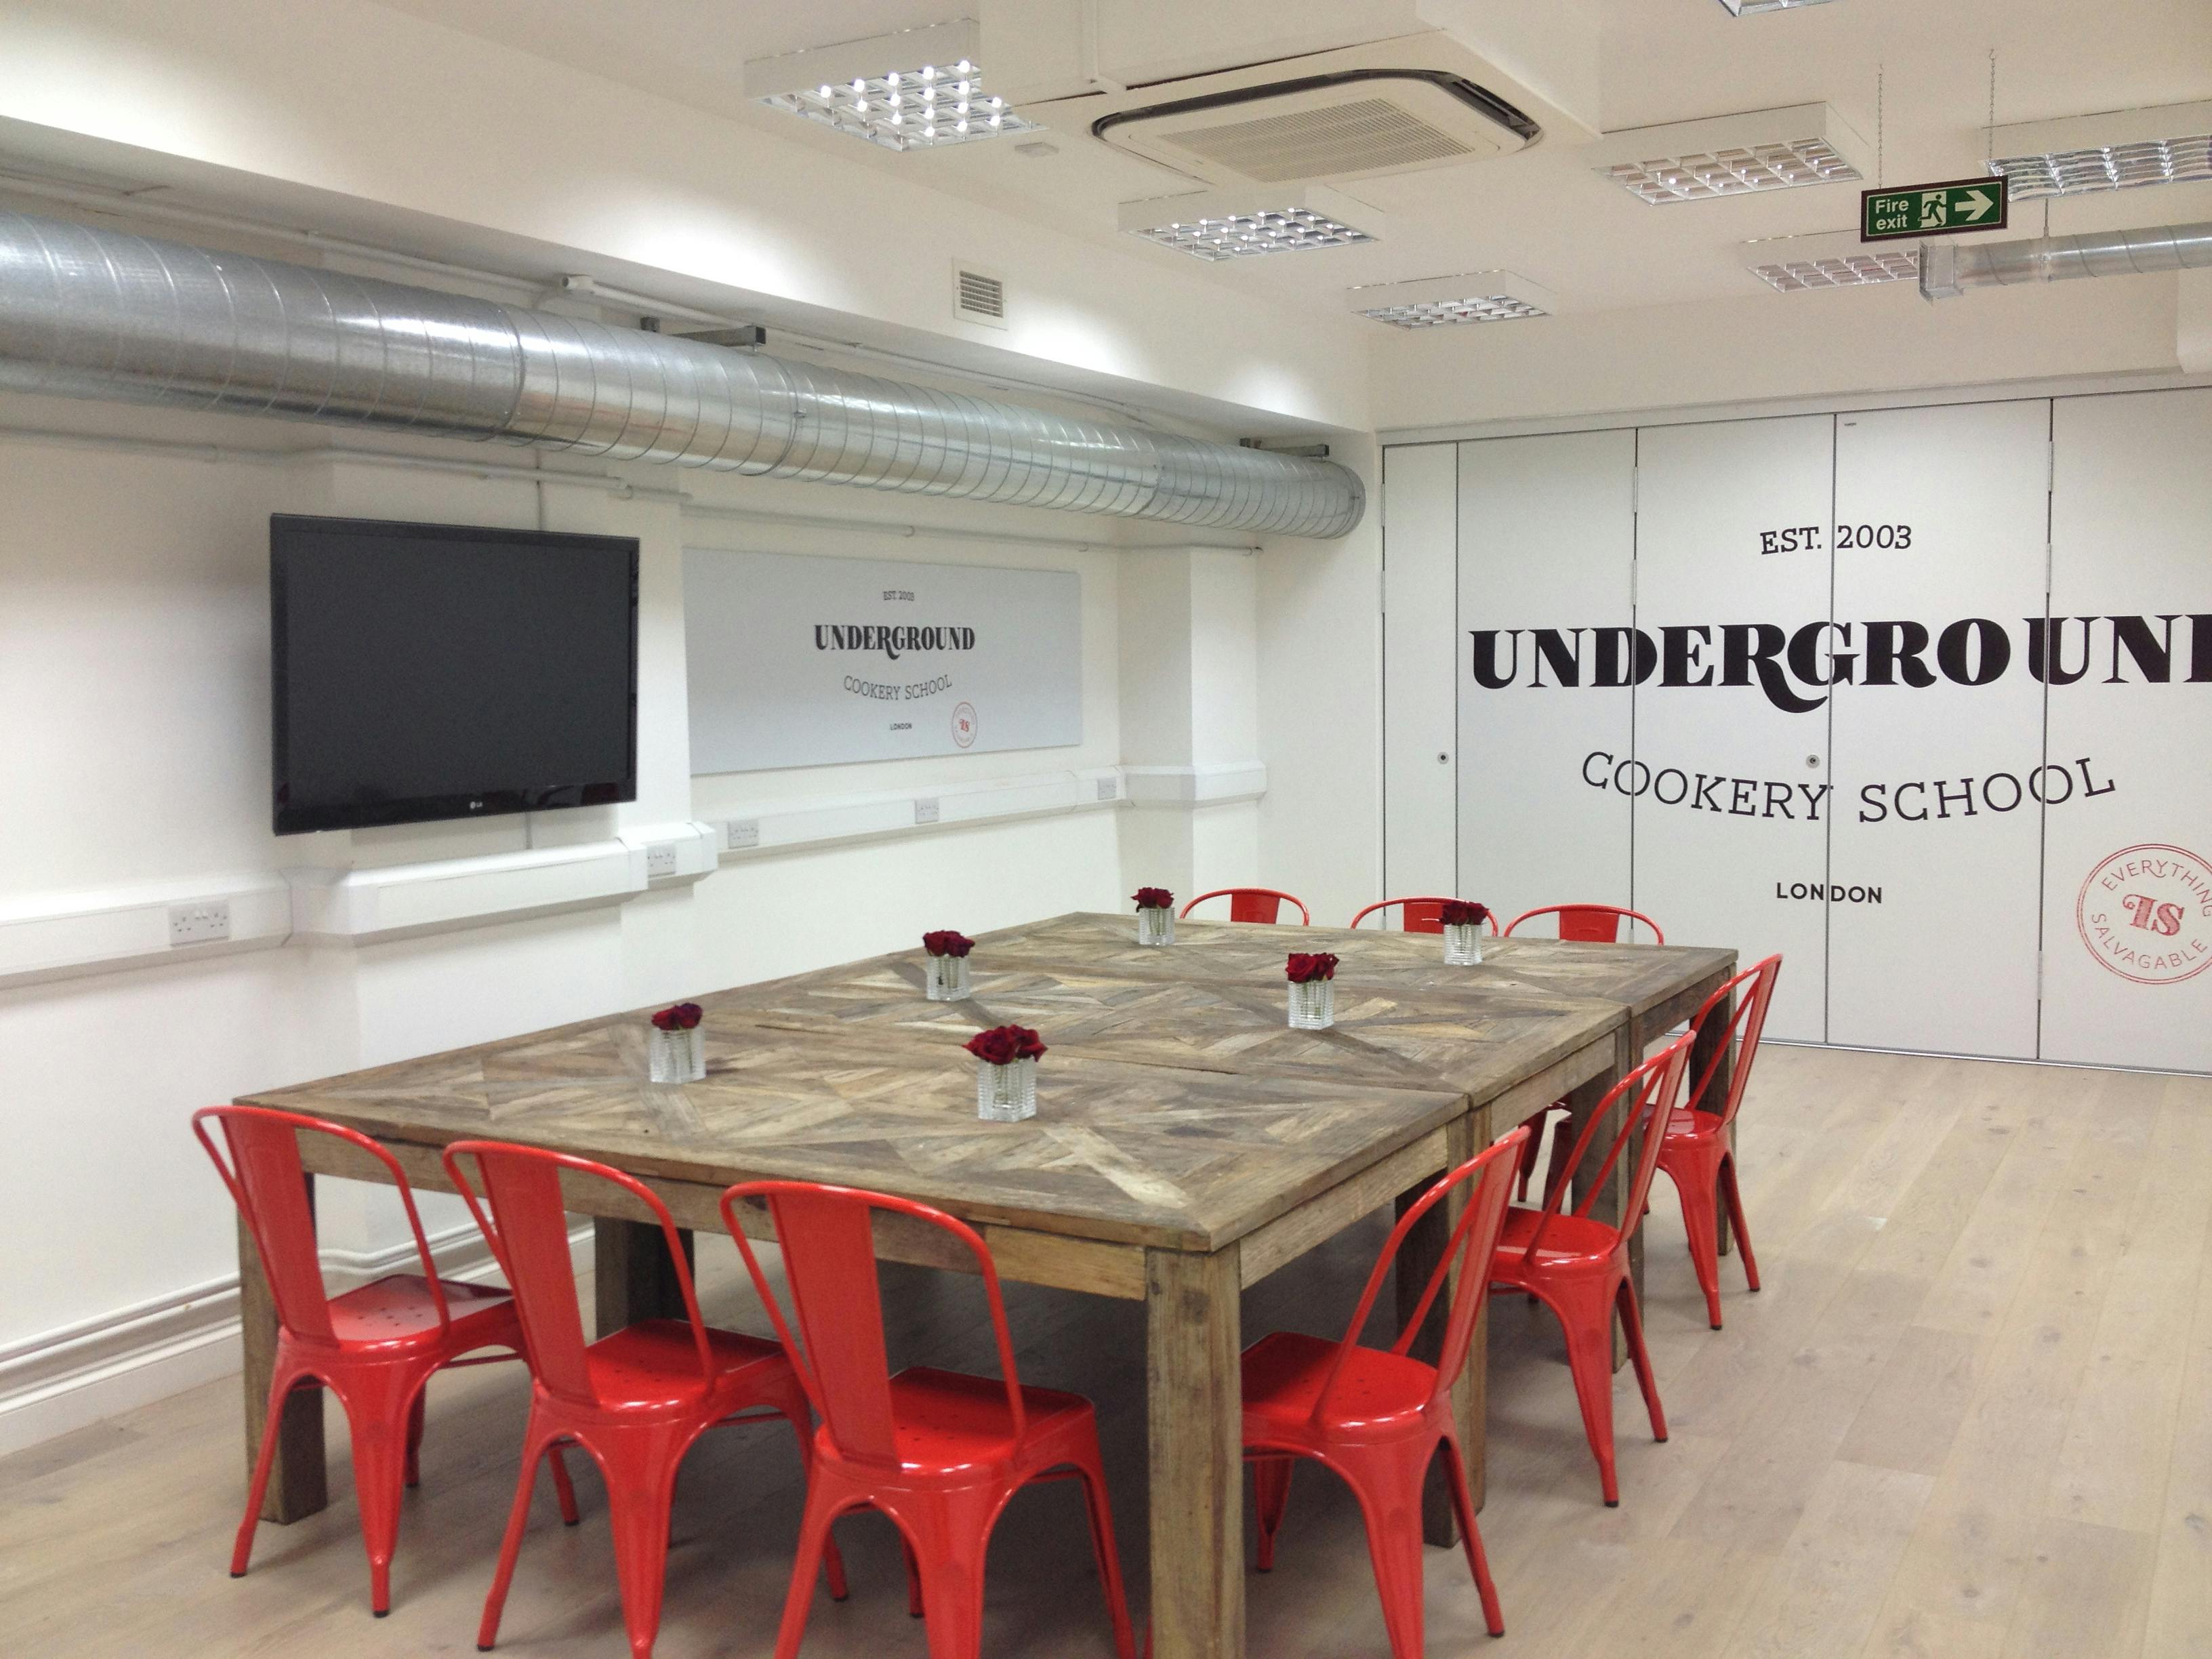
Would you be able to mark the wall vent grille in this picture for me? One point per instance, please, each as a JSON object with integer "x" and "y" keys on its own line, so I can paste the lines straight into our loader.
{"x": 978, "y": 297}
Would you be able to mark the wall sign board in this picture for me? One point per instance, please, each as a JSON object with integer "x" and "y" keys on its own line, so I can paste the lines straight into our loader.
{"x": 797, "y": 661}
{"x": 1915, "y": 696}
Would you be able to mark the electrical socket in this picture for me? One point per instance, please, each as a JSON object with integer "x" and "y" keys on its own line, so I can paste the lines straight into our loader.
{"x": 1109, "y": 788}
{"x": 660, "y": 860}
{"x": 200, "y": 923}
{"x": 926, "y": 809}
{"x": 743, "y": 833}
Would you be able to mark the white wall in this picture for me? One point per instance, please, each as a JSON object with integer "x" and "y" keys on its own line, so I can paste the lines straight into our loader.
{"x": 134, "y": 763}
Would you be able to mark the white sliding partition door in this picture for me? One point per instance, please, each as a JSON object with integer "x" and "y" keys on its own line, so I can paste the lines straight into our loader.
{"x": 1941, "y": 520}
{"x": 1731, "y": 785}
{"x": 1420, "y": 648}
{"x": 2127, "y": 891}
{"x": 1547, "y": 539}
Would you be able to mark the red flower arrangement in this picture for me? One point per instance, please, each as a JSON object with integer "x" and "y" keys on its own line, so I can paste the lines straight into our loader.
{"x": 946, "y": 942}
{"x": 1005, "y": 1044}
{"x": 1154, "y": 898}
{"x": 1305, "y": 967}
{"x": 680, "y": 1018}
{"x": 1459, "y": 913}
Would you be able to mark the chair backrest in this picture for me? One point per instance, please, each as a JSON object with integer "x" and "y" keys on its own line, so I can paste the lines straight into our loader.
{"x": 528, "y": 1229}
{"x": 827, "y": 1235}
{"x": 1422, "y": 915}
{"x": 1473, "y": 1243}
{"x": 1744, "y": 1024}
{"x": 1591, "y": 924}
{"x": 1644, "y": 1098}
{"x": 269, "y": 1186}
{"x": 1253, "y": 905}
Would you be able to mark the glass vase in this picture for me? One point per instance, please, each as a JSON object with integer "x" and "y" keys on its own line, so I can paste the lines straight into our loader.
{"x": 1006, "y": 1094}
{"x": 1463, "y": 943}
{"x": 1313, "y": 1005}
{"x": 677, "y": 1057}
{"x": 944, "y": 979}
{"x": 1155, "y": 926}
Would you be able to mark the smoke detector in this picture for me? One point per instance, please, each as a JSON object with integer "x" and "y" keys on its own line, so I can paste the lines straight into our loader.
{"x": 1388, "y": 106}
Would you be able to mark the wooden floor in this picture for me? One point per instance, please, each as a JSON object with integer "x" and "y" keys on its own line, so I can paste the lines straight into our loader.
{"x": 1969, "y": 1417}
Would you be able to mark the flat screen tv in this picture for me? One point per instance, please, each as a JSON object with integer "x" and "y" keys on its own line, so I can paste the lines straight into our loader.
{"x": 433, "y": 670}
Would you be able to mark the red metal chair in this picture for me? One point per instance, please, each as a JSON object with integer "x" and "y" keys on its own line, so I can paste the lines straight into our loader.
{"x": 1423, "y": 915}
{"x": 375, "y": 1347}
{"x": 1591, "y": 924}
{"x": 1577, "y": 1265}
{"x": 1253, "y": 905}
{"x": 1378, "y": 1416}
{"x": 1696, "y": 1152}
{"x": 636, "y": 1399}
{"x": 939, "y": 1452}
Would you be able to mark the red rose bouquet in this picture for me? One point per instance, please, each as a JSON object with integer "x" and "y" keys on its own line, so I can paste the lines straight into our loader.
{"x": 1003, "y": 1045}
{"x": 946, "y": 942}
{"x": 1459, "y": 913}
{"x": 1305, "y": 967}
{"x": 1154, "y": 898}
{"x": 676, "y": 1053}
{"x": 680, "y": 1018}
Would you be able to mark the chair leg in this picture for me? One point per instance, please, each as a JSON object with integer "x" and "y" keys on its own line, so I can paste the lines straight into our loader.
{"x": 805, "y": 1566}
{"x": 1693, "y": 1180}
{"x": 535, "y": 1446}
{"x": 1387, "y": 1482}
{"x": 951, "y": 1548}
{"x": 1271, "y": 1484}
{"x": 637, "y": 1509}
{"x": 1734, "y": 1197}
{"x": 280, "y": 1391}
{"x": 563, "y": 1488}
{"x": 1470, "y": 1537}
{"x": 1109, "y": 1558}
{"x": 914, "y": 1606}
{"x": 1590, "y": 1361}
{"x": 1632, "y": 1322}
{"x": 833, "y": 1564}
{"x": 379, "y": 1477}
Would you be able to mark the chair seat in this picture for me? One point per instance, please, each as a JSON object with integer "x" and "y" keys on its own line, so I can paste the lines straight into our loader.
{"x": 1284, "y": 1373}
{"x": 397, "y": 1310}
{"x": 945, "y": 1421}
{"x": 1687, "y": 1123}
{"x": 655, "y": 1362}
{"x": 1570, "y": 1241}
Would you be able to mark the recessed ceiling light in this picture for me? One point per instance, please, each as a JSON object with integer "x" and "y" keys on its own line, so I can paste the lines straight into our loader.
{"x": 1481, "y": 296}
{"x": 2120, "y": 150}
{"x": 932, "y": 97}
{"x": 1753, "y": 8}
{"x": 1731, "y": 155}
{"x": 1225, "y": 225}
{"x": 1796, "y": 264}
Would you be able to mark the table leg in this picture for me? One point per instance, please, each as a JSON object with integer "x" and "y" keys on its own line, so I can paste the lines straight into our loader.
{"x": 1628, "y": 1053}
{"x": 1702, "y": 1053}
{"x": 298, "y": 1483}
{"x": 1417, "y": 1261}
{"x": 633, "y": 1278}
{"x": 1194, "y": 1412}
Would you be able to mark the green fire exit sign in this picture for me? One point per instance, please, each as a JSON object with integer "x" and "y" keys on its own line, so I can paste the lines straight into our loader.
{"x": 1946, "y": 210}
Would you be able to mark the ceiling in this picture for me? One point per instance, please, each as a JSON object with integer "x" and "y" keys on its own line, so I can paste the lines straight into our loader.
{"x": 1913, "y": 77}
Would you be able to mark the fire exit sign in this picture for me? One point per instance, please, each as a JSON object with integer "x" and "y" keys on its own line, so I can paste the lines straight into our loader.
{"x": 1946, "y": 210}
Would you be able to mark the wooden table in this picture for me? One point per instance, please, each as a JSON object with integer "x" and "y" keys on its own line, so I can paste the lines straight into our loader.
{"x": 1187, "y": 1144}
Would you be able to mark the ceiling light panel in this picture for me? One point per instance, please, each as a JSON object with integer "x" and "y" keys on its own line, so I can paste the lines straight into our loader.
{"x": 1732, "y": 155}
{"x": 1753, "y": 8}
{"x": 1799, "y": 265}
{"x": 2122, "y": 150}
{"x": 1481, "y": 296}
{"x": 919, "y": 89}
{"x": 1224, "y": 225}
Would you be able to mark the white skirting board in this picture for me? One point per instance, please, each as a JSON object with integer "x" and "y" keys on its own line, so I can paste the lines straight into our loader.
{"x": 66, "y": 1380}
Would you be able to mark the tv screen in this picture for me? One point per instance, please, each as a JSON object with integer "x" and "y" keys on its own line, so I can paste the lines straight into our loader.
{"x": 431, "y": 670}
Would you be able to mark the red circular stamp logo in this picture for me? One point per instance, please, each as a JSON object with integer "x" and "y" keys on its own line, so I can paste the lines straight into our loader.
{"x": 2146, "y": 913}
{"x": 963, "y": 724}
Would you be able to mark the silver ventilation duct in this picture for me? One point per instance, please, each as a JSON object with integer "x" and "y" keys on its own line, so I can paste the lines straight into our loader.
{"x": 1947, "y": 269}
{"x": 99, "y": 314}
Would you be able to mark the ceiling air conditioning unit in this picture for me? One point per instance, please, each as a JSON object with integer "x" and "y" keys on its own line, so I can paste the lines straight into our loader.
{"x": 1387, "y": 106}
